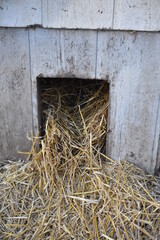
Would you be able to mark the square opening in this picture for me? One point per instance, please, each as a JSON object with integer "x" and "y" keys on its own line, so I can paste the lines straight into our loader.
{"x": 70, "y": 96}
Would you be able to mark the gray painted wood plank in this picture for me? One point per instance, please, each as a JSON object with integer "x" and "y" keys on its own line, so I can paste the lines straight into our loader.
{"x": 141, "y": 15}
{"x": 131, "y": 63}
{"x": 15, "y": 93}
{"x": 82, "y": 14}
{"x": 17, "y": 13}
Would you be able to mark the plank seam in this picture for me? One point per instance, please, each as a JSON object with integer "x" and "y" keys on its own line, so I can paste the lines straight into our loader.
{"x": 96, "y": 54}
{"x": 29, "y": 49}
{"x": 156, "y": 139}
{"x": 113, "y": 13}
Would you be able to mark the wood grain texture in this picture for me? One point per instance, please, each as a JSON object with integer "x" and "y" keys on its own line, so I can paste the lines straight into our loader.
{"x": 15, "y": 93}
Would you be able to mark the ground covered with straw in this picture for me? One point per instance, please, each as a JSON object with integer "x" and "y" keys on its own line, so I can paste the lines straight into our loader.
{"x": 70, "y": 189}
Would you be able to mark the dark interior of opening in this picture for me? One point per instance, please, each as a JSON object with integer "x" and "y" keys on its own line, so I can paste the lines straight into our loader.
{"x": 73, "y": 85}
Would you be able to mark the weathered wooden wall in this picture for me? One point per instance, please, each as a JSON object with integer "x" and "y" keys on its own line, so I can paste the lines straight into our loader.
{"x": 132, "y": 64}
{"x": 63, "y": 47}
{"x": 82, "y": 14}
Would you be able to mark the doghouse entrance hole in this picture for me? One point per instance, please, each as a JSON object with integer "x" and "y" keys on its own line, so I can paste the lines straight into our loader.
{"x": 71, "y": 91}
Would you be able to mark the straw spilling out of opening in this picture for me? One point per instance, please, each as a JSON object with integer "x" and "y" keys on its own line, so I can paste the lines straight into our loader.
{"x": 70, "y": 189}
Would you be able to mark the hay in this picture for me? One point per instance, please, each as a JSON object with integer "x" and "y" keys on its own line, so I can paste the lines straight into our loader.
{"x": 70, "y": 189}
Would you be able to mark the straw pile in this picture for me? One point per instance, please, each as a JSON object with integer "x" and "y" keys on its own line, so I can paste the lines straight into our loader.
{"x": 70, "y": 189}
